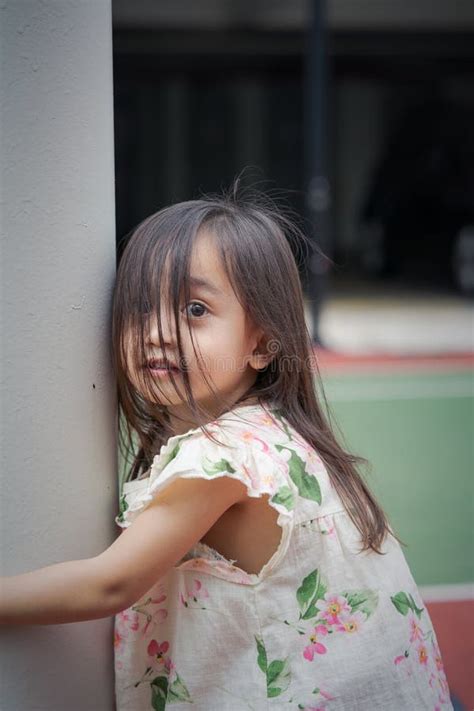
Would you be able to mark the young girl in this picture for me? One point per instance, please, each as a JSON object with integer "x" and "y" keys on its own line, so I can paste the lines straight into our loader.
{"x": 256, "y": 570}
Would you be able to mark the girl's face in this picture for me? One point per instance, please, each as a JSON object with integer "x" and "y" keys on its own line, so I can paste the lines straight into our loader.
{"x": 223, "y": 337}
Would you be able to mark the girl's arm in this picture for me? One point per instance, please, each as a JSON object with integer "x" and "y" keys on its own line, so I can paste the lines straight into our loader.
{"x": 98, "y": 587}
{"x": 66, "y": 592}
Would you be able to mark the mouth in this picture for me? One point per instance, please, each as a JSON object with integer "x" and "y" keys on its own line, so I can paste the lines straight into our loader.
{"x": 156, "y": 365}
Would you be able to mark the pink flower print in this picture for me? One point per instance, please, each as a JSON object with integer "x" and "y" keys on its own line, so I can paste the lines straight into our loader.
{"x": 415, "y": 630}
{"x": 444, "y": 687}
{"x": 321, "y": 705}
{"x": 158, "y": 651}
{"x": 313, "y": 460}
{"x": 250, "y": 475}
{"x": 196, "y": 593}
{"x": 437, "y": 657}
{"x": 422, "y": 654}
{"x": 169, "y": 666}
{"x": 129, "y": 619}
{"x": 118, "y": 640}
{"x": 350, "y": 622}
{"x": 326, "y": 526}
{"x": 268, "y": 480}
{"x": 400, "y": 659}
{"x": 143, "y": 608}
{"x": 315, "y": 647}
{"x": 399, "y": 663}
{"x": 332, "y": 606}
{"x": 249, "y": 436}
{"x": 264, "y": 418}
{"x": 158, "y": 616}
{"x": 326, "y": 695}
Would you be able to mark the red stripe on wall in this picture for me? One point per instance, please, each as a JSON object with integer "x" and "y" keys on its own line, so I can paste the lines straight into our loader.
{"x": 454, "y": 626}
{"x": 338, "y": 361}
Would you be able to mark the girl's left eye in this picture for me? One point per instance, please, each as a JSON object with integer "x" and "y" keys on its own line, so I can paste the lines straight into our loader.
{"x": 196, "y": 304}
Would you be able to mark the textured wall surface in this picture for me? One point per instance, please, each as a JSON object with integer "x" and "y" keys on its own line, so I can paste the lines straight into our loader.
{"x": 57, "y": 428}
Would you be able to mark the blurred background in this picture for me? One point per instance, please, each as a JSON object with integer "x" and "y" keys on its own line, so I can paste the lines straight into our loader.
{"x": 359, "y": 114}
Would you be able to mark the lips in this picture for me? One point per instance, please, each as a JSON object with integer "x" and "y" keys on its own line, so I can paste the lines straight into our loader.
{"x": 158, "y": 364}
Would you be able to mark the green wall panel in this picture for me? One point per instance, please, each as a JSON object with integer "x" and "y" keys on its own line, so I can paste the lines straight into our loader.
{"x": 417, "y": 432}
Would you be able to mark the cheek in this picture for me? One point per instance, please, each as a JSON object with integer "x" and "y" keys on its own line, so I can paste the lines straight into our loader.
{"x": 224, "y": 353}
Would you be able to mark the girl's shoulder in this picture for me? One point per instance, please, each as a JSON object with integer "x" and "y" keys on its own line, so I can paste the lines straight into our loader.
{"x": 254, "y": 444}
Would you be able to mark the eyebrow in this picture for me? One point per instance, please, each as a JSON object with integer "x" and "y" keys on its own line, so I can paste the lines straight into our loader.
{"x": 200, "y": 283}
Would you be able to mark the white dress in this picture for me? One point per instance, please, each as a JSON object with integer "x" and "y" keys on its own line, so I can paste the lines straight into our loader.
{"x": 322, "y": 626}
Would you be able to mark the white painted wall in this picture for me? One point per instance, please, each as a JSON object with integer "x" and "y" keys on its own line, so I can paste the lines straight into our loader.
{"x": 57, "y": 418}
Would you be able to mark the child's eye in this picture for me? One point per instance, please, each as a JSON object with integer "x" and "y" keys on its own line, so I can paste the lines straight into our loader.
{"x": 196, "y": 304}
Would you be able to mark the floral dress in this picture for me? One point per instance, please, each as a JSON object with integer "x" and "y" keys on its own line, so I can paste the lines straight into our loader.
{"x": 322, "y": 626}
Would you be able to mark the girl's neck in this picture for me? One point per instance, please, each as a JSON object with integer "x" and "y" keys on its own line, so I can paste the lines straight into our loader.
{"x": 182, "y": 422}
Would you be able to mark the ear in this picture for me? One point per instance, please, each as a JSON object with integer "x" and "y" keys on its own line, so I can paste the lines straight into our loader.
{"x": 261, "y": 354}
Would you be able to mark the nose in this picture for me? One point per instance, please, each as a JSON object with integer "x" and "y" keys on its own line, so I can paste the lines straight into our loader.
{"x": 167, "y": 326}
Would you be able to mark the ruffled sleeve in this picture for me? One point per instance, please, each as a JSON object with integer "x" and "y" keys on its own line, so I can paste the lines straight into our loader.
{"x": 194, "y": 455}
{"x": 241, "y": 454}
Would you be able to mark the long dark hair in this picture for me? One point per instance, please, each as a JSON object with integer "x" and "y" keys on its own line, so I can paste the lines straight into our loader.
{"x": 258, "y": 246}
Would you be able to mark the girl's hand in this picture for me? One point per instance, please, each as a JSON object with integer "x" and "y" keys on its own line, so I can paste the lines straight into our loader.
{"x": 92, "y": 588}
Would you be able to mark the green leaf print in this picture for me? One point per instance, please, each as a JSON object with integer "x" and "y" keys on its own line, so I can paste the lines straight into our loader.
{"x": 262, "y": 655}
{"x": 123, "y": 506}
{"x": 364, "y": 600}
{"x": 284, "y": 497}
{"x": 159, "y": 692}
{"x": 177, "y": 691}
{"x": 307, "y": 484}
{"x": 278, "y": 673}
{"x": 278, "y": 678}
{"x": 214, "y": 468}
{"x": 404, "y": 602}
{"x": 169, "y": 456}
{"x": 172, "y": 455}
{"x": 162, "y": 692}
{"x": 311, "y": 590}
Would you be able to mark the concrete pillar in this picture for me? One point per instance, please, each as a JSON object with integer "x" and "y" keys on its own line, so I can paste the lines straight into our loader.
{"x": 57, "y": 418}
